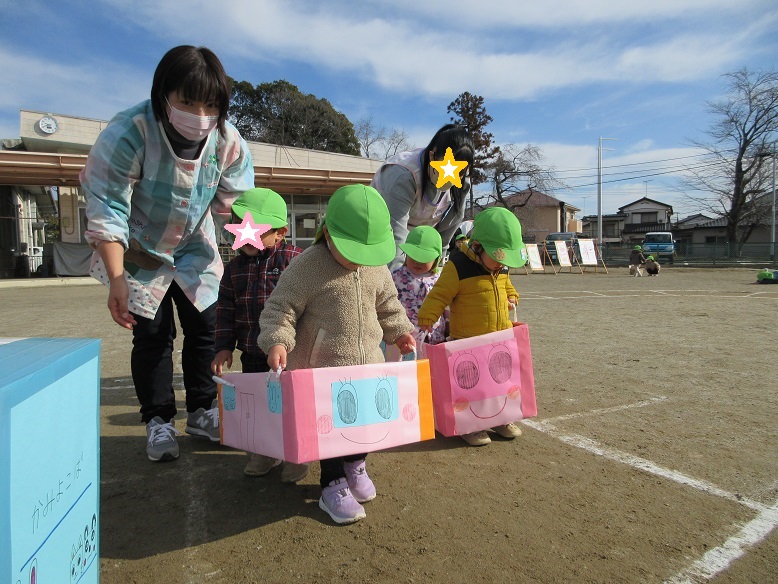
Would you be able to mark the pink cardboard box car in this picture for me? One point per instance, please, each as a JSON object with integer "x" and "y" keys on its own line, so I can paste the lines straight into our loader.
{"x": 313, "y": 414}
{"x": 481, "y": 382}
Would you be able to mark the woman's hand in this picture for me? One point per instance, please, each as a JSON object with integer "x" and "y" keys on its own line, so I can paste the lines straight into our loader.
{"x": 118, "y": 296}
{"x": 276, "y": 357}
{"x": 112, "y": 254}
{"x": 222, "y": 357}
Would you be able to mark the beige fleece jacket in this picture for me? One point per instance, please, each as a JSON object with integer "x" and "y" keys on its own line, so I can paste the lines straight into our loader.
{"x": 328, "y": 316}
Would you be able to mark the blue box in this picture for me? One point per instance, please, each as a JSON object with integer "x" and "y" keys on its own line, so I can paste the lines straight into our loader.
{"x": 49, "y": 460}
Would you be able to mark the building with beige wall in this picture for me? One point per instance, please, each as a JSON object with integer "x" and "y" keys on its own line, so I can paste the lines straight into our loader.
{"x": 39, "y": 185}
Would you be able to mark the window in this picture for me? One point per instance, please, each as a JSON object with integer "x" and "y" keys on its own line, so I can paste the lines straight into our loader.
{"x": 645, "y": 217}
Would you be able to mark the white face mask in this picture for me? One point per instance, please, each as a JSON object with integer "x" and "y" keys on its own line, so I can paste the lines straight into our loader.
{"x": 191, "y": 126}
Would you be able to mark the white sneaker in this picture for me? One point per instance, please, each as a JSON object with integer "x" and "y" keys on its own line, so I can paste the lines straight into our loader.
{"x": 477, "y": 438}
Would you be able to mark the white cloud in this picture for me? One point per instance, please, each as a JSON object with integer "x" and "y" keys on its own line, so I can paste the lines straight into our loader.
{"x": 96, "y": 89}
{"x": 567, "y": 13}
{"x": 411, "y": 57}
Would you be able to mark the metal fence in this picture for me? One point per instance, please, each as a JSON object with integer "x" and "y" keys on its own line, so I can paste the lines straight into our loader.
{"x": 700, "y": 254}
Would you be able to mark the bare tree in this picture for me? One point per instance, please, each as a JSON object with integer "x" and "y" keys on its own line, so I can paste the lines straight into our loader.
{"x": 516, "y": 176}
{"x": 376, "y": 143}
{"x": 398, "y": 141}
{"x": 369, "y": 135}
{"x": 734, "y": 175}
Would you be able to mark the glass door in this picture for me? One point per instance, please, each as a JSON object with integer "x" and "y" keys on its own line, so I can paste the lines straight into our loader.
{"x": 304, "y": 224}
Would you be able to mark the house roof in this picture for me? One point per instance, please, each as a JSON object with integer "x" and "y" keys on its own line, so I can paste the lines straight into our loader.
{"x": 692, "y": 220}
{"x": 718, "y": 222}
{"x": 533, "y": 198}
{"x": 647, "y": 200}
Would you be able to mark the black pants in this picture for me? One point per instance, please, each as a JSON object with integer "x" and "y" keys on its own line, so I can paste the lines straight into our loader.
{"x": 254, "y": 363}
{"x": 332, "y": 468}
{"x": 152, "y": 357}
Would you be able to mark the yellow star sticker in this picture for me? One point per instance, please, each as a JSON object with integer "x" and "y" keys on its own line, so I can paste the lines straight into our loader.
{"x": 448, "y": 167}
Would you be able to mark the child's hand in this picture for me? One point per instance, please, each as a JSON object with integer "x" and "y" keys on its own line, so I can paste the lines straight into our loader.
{"x": 427, "y": 328}
{"x": 218, "y": 362}
{"x": 406, "y": 343}
{"x": 276, "y": 357}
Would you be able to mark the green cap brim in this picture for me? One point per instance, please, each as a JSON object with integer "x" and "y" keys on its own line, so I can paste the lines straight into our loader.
{"x": 376, "y": 254}
{"x": 418, "y": 254}
{"x": 513, "y": 258}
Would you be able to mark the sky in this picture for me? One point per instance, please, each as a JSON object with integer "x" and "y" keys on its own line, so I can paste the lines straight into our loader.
{"x": 558, "y": 74}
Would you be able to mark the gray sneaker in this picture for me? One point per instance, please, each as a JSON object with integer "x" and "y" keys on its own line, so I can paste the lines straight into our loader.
{"x": 161, "y": 442}
{"x": 204, "y": 422}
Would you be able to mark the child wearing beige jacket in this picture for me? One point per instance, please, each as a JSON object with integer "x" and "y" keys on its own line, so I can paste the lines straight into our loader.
{"x": 332, "y": 307}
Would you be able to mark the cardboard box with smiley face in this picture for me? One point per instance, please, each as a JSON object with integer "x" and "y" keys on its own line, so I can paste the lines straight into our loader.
{"x": 313, "y": 414}
{"x": 483, "y": 381}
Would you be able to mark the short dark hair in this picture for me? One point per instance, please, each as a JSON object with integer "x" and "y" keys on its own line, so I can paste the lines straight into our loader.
{"x": 455, "y": 137}
{"x": 197, "y": 73}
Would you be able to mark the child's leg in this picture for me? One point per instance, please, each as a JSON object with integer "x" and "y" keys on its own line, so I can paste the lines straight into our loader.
{"x": 259, "y": 464}
{"x": 336, "y": 497}
{"x": 359, "y": 482}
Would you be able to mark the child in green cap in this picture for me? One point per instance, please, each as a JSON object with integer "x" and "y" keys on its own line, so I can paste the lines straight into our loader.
{"x": 333, "y": 307}
{"x": 245, "y": 286}
{"x": 476, "y": 286}
{"x": 652, "y": 266}
{"x": 414, "y": 279}
{"x": 636, "y": 261}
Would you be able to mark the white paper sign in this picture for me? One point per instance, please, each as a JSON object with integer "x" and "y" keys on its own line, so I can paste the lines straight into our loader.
{"x": 588, "y": 255}
{"x": 309, "y": 223}
{"x": 534, "y": 256}
{"x": 561, "y": 254}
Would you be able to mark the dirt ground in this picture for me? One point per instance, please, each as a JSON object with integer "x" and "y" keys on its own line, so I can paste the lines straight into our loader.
{"x": 652, "y": 459}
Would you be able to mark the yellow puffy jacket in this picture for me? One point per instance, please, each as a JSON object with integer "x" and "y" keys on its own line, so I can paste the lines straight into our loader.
{"x": 477, "y": 298}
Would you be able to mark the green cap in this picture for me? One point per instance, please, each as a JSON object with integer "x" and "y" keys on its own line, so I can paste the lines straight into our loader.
{"x": 423, "y": 244}
{"x": 650, "y": 258}
{"x": 460, "y": 236}
{"x": 499, "y": 233}
{"x": 637, "y": 247}
{"x": 265, "y": 205}
{"x": 357, "y": 219}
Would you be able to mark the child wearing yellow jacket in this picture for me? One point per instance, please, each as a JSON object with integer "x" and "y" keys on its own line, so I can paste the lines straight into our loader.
{"x": 476, "y": 287}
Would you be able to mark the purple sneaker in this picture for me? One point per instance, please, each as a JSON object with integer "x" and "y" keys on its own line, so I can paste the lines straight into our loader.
{"x": 360, "y": 484}
{"x": 337, "y": 500}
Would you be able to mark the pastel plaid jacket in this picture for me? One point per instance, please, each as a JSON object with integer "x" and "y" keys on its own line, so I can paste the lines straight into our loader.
{"x": 137, "y": 189}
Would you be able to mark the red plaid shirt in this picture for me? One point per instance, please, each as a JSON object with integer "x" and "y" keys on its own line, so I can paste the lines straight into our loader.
{"x": 244, "y": 289}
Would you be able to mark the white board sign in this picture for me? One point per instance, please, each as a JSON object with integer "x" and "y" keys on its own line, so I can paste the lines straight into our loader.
{"x": 588, "y": 255}
{"x": 563, "y": 257}
{"x": 534, "y": 257}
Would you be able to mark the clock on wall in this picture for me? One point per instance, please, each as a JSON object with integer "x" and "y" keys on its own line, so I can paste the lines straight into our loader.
{"x": 48, "y": 125}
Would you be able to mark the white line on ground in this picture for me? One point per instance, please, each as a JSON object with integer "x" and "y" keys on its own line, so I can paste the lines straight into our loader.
{"x": 720, "y": 558}
{"x": 714, "y": 561}
{"x": 639, "y": 463}
{"x": 640, "y": 404}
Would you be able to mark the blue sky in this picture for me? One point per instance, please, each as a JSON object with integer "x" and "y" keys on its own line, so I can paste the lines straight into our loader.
{"x": 557, "y": 74}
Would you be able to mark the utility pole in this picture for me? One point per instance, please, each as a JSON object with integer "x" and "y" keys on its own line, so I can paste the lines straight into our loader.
{"x": 772, "y": 228}
{"x": 772, "y": 217}
{"x": 599, "y": 193}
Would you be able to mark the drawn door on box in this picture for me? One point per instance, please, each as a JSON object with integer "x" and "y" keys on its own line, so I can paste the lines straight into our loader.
{"x": 247, "y": 406}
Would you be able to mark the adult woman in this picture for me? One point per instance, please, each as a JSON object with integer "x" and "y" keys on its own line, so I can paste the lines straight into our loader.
{"x": 159, "y": 179}
{"x": 407, "y": 184}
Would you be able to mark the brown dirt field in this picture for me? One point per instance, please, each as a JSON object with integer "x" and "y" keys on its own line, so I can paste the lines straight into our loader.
{"x": 655, "y": 444}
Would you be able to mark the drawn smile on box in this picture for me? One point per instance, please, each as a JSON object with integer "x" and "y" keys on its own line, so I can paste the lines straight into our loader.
{"x": 504, "y": 403}
{"x": 358, "y": 442}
